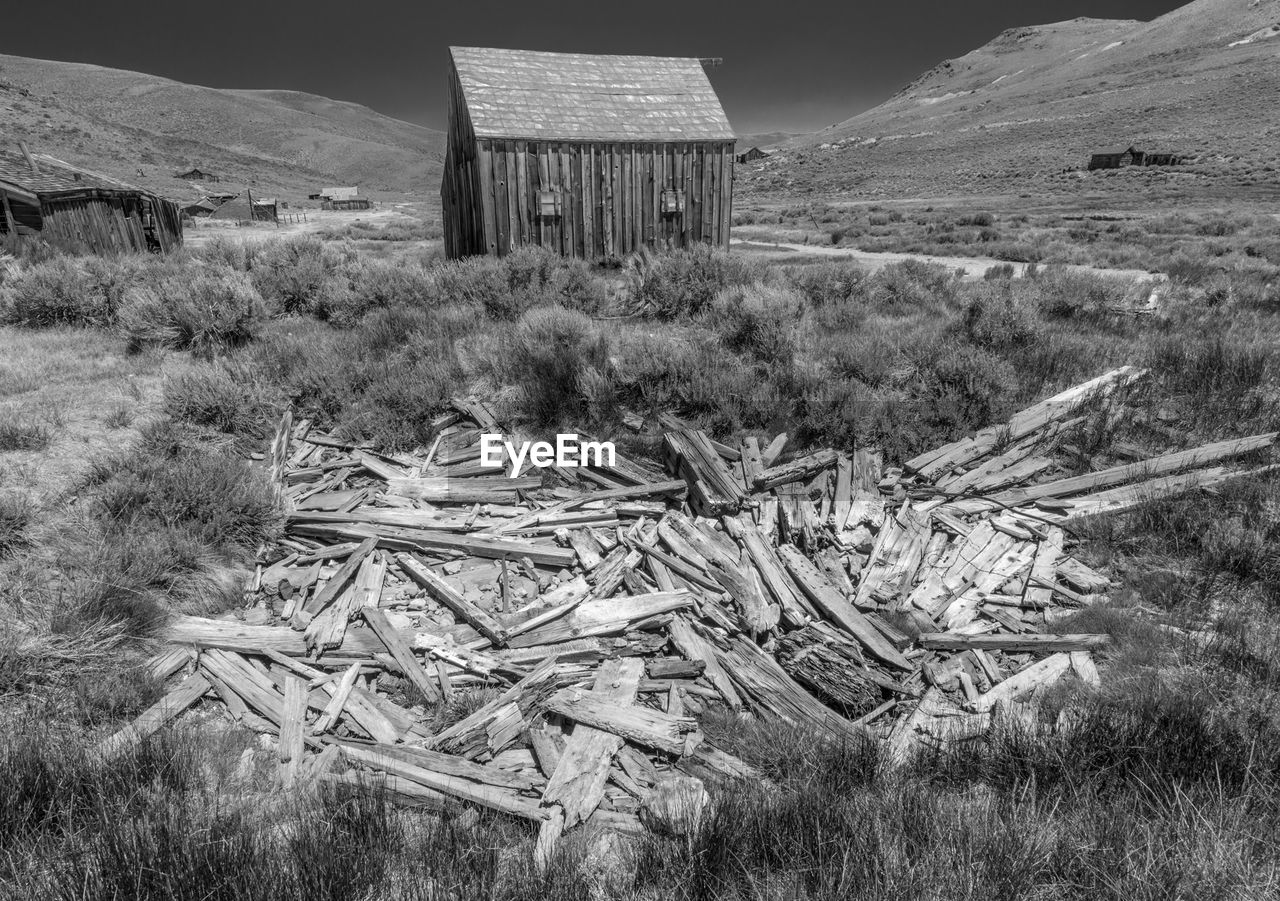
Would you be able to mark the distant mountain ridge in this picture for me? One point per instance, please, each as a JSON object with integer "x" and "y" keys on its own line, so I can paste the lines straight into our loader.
{"x": 1202, "y": 81}
{"x": 118, "y": 122}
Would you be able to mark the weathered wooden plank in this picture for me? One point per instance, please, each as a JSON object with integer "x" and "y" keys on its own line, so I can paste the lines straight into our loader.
{"x": 832, "y": 602}
{"x": 1013, "y": 644}
{"x": 401, "y": 653}
{"x": 577, "y": 785}
{"x": 154, "y": 717}
{"x": 443, "y": 592}
{"x": 639, "y": 725}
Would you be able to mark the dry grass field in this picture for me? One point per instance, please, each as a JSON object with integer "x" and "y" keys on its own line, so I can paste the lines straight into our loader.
{"x": 136, "y": 393}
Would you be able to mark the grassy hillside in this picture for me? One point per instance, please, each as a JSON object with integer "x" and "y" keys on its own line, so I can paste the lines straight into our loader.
{"x": 1015, "y": 114}
{"x": 117, "y": 122}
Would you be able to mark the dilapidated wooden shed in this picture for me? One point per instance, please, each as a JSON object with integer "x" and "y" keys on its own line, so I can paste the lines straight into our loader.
{"x": 81, "y": 211}
{"x": 589, "y": 156}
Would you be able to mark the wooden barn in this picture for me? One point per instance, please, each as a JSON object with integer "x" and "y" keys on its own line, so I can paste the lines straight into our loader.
{"x": 1116, "y": 159}
{"x": 80, "y": 211}
{"x": 1120, "y": 159}
{"x": 196, "y": 175}
{"x": 589, "y": 156}
{"x": 750, "y": 156}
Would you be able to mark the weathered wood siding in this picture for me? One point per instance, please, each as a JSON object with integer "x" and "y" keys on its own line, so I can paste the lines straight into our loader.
{"x": 109, "y": 223}
{"x": 608, "y": 198}
{"x": 461, "y": 190}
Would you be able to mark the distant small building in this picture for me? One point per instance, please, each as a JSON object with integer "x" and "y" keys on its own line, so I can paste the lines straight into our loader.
{"x": 755, "y": 153}
{"x": 196, "y": 175}
{"x": 349, "y": 203}
{"x": 81, "y": 211}
{"x": 1120, "y": 159}
{"x": 341, "y": 199}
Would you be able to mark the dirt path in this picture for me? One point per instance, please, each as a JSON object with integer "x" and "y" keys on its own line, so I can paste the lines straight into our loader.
{"x": 973, "y": 267}
{"x": 202, "y": 231}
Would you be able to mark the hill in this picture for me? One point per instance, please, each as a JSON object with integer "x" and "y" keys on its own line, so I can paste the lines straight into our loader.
{"x": 118, "y": 122}
{"x": 1018, "y": 113}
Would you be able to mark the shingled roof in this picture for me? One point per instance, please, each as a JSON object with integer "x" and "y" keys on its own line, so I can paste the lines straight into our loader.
{"x": 584, "y": 97}
{"x": 53, "y": 176}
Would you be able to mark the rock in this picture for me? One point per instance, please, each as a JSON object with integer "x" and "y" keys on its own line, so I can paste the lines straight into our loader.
{"x": 676, "y": 806}
{"x": 452, "y": 568}
{"x": 399, "y": 621}
{"x": 257, "y": 616}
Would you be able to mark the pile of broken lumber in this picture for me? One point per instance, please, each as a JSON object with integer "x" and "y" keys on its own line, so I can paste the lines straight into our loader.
{"x": 544, "y": 644}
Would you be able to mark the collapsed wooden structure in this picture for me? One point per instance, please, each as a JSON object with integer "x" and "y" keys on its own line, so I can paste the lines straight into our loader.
{"x": 589, "y": 156}
{"x": 81, "y": 211}
{"x": 603, "y": 615}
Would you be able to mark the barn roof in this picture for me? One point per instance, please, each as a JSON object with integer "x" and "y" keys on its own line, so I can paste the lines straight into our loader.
{"x": 54, "y": 176}
{"x": 585, "y": 97}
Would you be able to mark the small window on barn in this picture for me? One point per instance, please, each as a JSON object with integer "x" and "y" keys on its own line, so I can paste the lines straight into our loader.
{"x": 672, "y": 202}
{"x": 549, "y": 204}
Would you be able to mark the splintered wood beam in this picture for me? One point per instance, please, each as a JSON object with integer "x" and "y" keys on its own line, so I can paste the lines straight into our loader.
{"x": 155, "y": 716}
{"x": 493, "y": 797}
{"x": 291, "y": 745}
{"x": 639, "y": 725}
{"x": 446, "y": 594}
{"x": 401, "y": 653}
{"x": 335, "y": 586}
{"x": 836, "y": 607}
{"x": 431, "y": 541}
{"x": 1014, "y": 644}
{"x": 577, "y": 784}
{"x": 796, "y": 471}
{"x": 1044, "y": 672}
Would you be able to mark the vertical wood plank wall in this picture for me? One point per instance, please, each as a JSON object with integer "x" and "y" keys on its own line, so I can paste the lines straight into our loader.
{"x": 610, "y": 193}
{"x": 109, "y": 223}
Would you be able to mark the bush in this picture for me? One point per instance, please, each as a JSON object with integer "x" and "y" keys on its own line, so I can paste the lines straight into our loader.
{"x": 218, "y": 397}
{"x": 230, "y": 253}
{"x": 561, "y": 361}
{"x": 827, "y": 283}
{"x": 289, "y": 274}
{"x": 528, "y": 277}
{"x": 173, "y": 478}
{"x": 764, "y": 322}
{"x": 912, "y": 287}
{"x": 61, "y": 291}
{"x": 207, "y": 313}
{"x": 1001, "y": 318}
{"x": 684, "y": 283}
{"x": 363, "y": 285}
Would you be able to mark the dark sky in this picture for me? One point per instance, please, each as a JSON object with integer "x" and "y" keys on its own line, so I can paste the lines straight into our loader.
{"x": 788, "y": 64}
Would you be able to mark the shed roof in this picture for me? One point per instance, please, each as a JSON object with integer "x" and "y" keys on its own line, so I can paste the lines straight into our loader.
{"x": 54, "y": 176}
{"x": 586, "y": 97}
